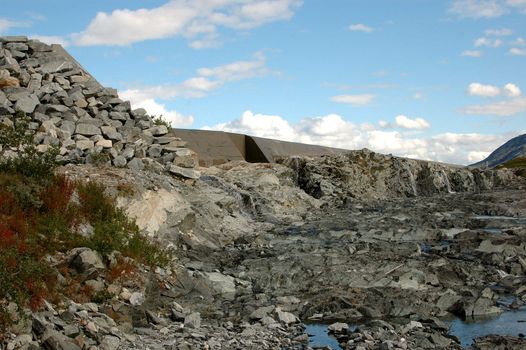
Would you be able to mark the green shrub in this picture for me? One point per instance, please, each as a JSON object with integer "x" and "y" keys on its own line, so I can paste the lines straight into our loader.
{"x": 28, "y": 162}
{"x": 160, "y": 120}
{"x": 113, "y": 230}
{"x": 101, "y": 297}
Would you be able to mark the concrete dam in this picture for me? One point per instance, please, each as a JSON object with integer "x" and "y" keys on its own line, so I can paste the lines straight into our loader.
{"x": 218, "y": 147}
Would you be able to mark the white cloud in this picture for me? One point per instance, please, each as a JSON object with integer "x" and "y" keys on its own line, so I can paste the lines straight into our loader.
{"x": 51, "y": 39}
{"x": 407, "y": 123}
{"x": 360, "y": 27}
{"x": 157, "y": 109}
{"x": 486, "y": 8}
{"x": 511, "y": 90}
{"x": 499, "y": 32}
{"x": 357, "y": 100}
{"x": 206, "y": 80}
{"x": 384, "y": 124}
{"x": 477, "y": 8}
{"x": 477, "y": 89}
{"x": 6, "y": 24}
{"x": 485, "y": 42}
{"x": 472, "y": 53}
{"x": 199, "y": 21}
{"x": 505, "y": 108}
{"x": 237, "y": 70}
{"x": 515, "y": 104}
{"x": 418, "y": 96}
{"x": 334, "y": 131}
{"x": 515, "y": 51}
{"x": 477, "y": 156}
{"x": 271, "y": 126}
{"x": 519, "y": 4}
{"x": 206, "y": 43}
{"x": 518, "y": 42}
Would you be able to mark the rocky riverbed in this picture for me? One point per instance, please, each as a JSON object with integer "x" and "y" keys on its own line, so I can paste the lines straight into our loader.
{"x": 396, "y": 268}
{"x": 386, "y": 263}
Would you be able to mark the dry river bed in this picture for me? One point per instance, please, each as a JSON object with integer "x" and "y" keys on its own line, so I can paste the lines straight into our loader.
{"x": 418, "y": 273}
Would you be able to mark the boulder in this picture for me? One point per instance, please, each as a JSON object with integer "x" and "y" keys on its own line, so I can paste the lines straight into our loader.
{"x": 136, "y": 298}
{"x": 87, "y": 129}
{"x": 27, "y": 103}
{"x": 184, "y": 172}
{"x": 193, "y": 320}
{"x": 53, "y": 340}
{"x": 338, "y": 328}
{"x": 109, "y": 342}
{"x": 85, "y": 259}
{"x": 286, "y": 317}
{"x": 222, "y": 284}
{"x": 261, "y": 313}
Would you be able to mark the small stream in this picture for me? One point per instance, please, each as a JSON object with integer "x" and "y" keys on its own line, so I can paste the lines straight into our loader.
{"x": 510, "y": 322}
{"x": 319, "y": 336}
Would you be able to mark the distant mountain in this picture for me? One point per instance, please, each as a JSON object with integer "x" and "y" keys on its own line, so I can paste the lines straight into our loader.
{"x": 514, "y": 148}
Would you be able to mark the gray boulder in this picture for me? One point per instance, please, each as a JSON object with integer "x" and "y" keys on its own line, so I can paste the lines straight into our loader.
{"x": 85, "y": 259}
{"x": 53, "y": 340}
{"x": 87, "y": 130}
{"x": 27, "y": 104}
{"x": 184, "y": 172}
{"x": 193, "y": 320}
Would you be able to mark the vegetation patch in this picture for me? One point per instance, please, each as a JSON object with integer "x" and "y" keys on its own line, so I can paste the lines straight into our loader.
{"x": 160, "y": 120}
{"x": 517, "y": 164}
{"x": 41, "y": 215}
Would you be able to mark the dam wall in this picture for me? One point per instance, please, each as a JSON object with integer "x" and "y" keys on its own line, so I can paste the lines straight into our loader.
{"x": 217, "y": 147}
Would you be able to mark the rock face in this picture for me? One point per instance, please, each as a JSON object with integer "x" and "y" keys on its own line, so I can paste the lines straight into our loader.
{"x": 514, "y": 148}
{"x": 365, "y": 175}
{"x": 68, "y": 108}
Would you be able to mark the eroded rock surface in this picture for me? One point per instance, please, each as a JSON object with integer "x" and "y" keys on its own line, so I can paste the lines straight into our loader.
{"x": 255, "y": 253}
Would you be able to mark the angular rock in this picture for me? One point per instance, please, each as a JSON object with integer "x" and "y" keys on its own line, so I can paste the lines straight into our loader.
{"x": 87, "y": 130}
{"x": 85, "y": 259}
{"x": 84, "y": 145}
{"x": 262, "y": 312}
{"x": 119, "y": 162}
{"x": 104, "y": 143}
{"x": 110, "y": 342}
{"x": 27, "y": 104}
{"x": 184, "y": 172}
{"x": 286, "y": 317}
{"x": 193, "y": 320}
{"x": 338, "y": 328}
{"x": 136, "y": 298}
{"x": 222, "y": 284}
{"x": 136, "y": 164}
{"x": 160, "y": 130}
{"x": 53, "y": 340}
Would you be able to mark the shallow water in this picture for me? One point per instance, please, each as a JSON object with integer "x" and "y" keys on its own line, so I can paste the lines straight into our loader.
{"x": 502, "y": 218}
{"x": 319, "y": 336}
{"x": 511, "y": 322}
{"x": 507, "y": 323}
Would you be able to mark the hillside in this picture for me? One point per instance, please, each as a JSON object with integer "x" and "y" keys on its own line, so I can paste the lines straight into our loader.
{"x": 514, "y": 148}
{"x": 113, "y": 238}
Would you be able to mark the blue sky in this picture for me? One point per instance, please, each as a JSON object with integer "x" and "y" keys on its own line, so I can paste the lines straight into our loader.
{"x": 440, "y": 80}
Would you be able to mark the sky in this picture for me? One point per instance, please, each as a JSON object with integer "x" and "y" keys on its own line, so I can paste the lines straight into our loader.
{"x": 439, "y": 80}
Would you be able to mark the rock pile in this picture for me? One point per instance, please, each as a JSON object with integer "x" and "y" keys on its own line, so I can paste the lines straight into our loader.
{"x": 89, "y": 123}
